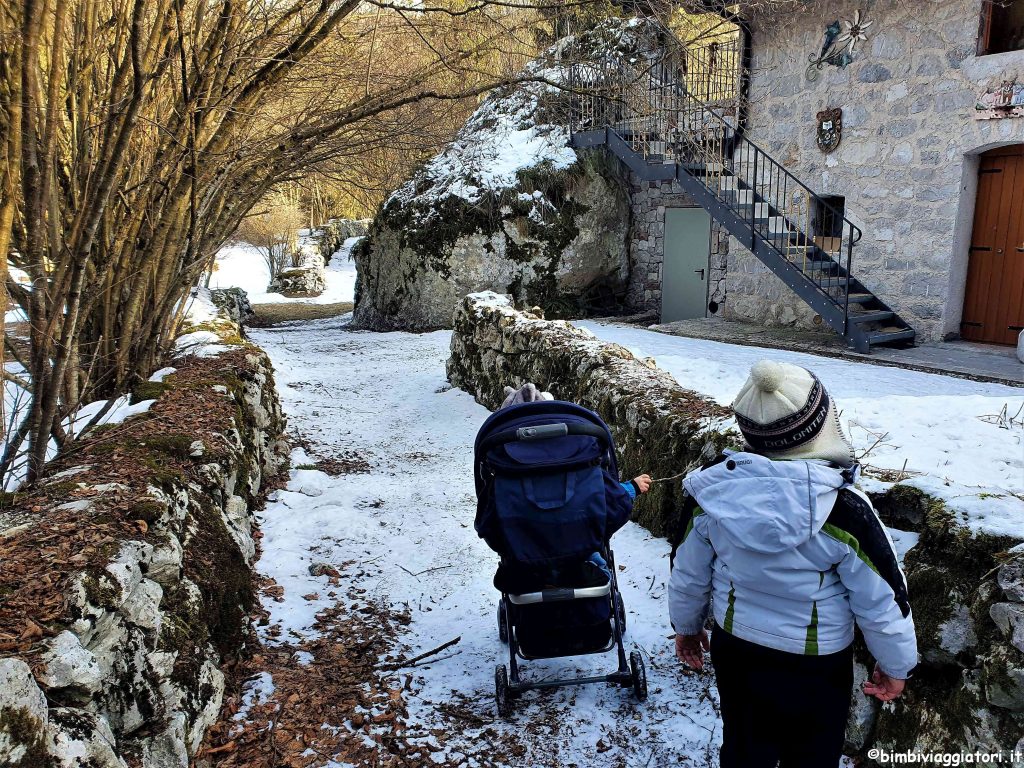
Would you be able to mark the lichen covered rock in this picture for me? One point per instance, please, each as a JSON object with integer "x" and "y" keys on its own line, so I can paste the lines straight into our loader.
{"x": 306, "y": 278}
{"x": 968, "y": 691}
{"x": 509, "y": 207}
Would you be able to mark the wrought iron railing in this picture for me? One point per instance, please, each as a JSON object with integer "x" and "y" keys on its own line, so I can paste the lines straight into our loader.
{"x": 654, "y": 105}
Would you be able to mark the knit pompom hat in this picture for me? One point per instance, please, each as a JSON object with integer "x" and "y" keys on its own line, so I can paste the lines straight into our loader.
{"x": 784, "y": 412}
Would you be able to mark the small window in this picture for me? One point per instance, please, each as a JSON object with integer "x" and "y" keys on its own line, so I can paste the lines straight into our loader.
{"x": 1002, "y": 27}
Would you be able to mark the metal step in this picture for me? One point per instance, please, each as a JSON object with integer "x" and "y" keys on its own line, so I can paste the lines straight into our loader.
{"x": 871, "y": 317}
{"x": 861, "y": 298}
{"x": 887, "y": 337}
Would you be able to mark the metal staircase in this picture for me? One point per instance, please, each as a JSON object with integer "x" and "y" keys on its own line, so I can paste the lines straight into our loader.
{"x": 645, "y": 111}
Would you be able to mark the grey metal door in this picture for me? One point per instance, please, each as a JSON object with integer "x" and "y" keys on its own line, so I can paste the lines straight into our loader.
{"x": 684, "y": 273}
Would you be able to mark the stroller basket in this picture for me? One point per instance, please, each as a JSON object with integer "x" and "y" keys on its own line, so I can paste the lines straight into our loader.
{"x": 542, "y": 470}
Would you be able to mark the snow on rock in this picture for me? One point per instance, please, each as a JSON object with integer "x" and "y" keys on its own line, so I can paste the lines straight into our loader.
{"x": 506, "y": 206}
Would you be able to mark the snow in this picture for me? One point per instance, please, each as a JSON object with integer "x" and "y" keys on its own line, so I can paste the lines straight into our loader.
{"x": 935, "y": 423}
{"x": 162, "y": 374}
{"x": 242, "y": 265}
{"x": 255, "y": 692}
{"x": 500, "y": 139}
{"x": 200, "y": 344}
{"x": 414, "y": 512}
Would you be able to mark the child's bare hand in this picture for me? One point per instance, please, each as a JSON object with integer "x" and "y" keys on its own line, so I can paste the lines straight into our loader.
{"x": 690, "y": 649}
{"x": 643, "y": 483}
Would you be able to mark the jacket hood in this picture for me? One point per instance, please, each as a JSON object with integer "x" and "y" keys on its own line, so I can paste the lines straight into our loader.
{"x": 764, "y": 505}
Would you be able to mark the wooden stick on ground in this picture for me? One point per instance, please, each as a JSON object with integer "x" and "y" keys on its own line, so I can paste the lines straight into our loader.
{"x": 431, "y": 652}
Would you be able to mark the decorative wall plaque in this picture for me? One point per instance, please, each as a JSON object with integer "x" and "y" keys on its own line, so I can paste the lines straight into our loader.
{"x": 830, "y": 129}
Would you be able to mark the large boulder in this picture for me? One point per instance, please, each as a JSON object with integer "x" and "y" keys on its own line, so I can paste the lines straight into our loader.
{"x": 508, "y": 206}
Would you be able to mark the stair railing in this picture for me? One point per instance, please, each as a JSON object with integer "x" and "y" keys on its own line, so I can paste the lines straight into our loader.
{"x": 649, "y": 104}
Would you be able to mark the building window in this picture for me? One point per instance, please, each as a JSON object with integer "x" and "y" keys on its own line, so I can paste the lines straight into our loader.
{"x": 1002, "y": 27}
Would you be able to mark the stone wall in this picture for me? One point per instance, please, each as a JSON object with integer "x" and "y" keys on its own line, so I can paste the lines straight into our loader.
{"x": 907, "y": 163}
{"x": 331, "y": 235}
{"x": 648, "y": 201}
{"x": 966, "y": 586}
{"x": 126, "y": 572}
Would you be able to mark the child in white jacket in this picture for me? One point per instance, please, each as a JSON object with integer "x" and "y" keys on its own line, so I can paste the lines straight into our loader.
{"x": 793, "y": 555}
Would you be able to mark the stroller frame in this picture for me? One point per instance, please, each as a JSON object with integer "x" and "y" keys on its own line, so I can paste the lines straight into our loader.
{"x": 630, "y": 672}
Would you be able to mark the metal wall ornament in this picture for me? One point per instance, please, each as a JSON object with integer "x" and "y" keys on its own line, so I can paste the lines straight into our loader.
{"x": 830, "y": 129}
{"x": 839, "y": 45}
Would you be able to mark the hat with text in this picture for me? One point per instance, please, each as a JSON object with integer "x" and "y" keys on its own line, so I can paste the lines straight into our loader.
{"x": 784, "y": 412}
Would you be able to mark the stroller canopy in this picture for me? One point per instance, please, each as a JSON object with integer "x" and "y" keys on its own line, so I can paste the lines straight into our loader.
{"x": 546, "y": 435}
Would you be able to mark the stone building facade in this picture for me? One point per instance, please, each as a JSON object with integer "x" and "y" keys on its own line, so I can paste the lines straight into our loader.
{"x": 907, "y": 164}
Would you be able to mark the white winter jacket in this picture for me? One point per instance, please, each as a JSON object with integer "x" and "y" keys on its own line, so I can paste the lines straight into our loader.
{"x": 793, "y": 556}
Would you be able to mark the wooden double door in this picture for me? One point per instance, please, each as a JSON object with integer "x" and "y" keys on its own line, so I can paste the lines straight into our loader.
{"x": 994, "y": 298}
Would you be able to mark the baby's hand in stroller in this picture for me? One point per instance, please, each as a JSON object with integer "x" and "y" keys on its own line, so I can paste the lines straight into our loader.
{"x": 642, "y": 483}
{"x": 690, "y": 649}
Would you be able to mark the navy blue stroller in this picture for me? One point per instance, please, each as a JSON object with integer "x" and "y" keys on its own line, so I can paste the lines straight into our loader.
{"x": 548, "y": 501}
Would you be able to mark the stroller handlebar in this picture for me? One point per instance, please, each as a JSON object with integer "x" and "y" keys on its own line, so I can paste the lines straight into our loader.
{"x": 542, "y": 432}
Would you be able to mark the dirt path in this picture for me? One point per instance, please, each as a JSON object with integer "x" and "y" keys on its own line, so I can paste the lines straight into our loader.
{"x": 371, "y": 559}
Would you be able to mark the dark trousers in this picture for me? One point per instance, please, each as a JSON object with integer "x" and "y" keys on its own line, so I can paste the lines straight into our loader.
{"x": 780, "y": 708}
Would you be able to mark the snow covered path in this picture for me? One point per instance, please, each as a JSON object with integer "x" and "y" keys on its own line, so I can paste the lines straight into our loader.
{"x": 407, "y": 525}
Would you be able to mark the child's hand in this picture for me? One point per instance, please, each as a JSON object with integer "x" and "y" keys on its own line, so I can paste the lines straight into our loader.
{"x": 883, "y": 687}
{"x": 643, "y": 483}
{"x": 690, "y": 649}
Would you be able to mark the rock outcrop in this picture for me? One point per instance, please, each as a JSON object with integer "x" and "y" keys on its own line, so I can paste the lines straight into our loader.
{"x": 126, "y": 572}
{"x": 508, "y": 206}
{"x": 966, "y": 585}
{"x": 331, "y": 235}
{"x": 306, "y": 278}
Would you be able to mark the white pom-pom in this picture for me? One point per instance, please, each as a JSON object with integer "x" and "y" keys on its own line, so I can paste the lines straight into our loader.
{"x": 767, "y": 376}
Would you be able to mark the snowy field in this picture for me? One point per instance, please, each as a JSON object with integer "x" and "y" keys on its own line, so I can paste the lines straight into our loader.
{"x": 242, "y": 266}
{"x": 944, "y": 428}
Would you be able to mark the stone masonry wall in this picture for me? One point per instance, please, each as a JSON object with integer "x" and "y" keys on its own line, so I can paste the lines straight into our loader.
{"x": 966, "y": 587}
{"x": 907, "y": 163}
{"x": 648, "y": 201}
{"x": 126, "y": 572}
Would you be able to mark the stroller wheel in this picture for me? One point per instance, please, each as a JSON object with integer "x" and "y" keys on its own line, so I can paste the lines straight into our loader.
{"x": 638, "y": 673}
{"x": 502, "y": 695}
{"x": 502, "y": 621}
{"x": 620, "y": 613}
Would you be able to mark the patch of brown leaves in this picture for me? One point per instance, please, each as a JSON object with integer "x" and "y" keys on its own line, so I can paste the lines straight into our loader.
{"x": 330, "y": 701}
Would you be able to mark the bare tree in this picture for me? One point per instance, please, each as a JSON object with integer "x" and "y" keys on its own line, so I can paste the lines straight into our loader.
{"x": 138, "y": 134}
{"x": 273, "y": 231}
